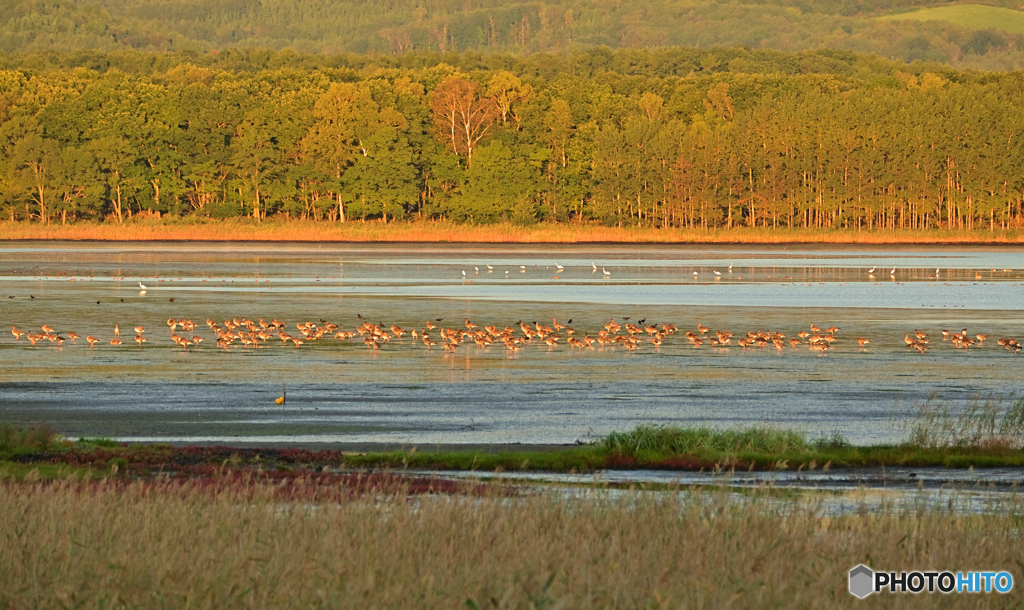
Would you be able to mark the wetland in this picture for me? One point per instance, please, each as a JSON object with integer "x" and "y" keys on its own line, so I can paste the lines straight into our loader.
{"x": 444, "y": 471}
{"x": 405, "y": 394}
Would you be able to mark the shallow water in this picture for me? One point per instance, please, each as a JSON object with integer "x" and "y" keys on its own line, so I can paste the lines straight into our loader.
{"x": 1006, "y": 480}
{"x": 341, "y": 392}
{"x": 845, "y": 492}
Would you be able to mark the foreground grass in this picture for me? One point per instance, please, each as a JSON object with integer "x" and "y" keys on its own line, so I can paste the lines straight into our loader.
{"x": 97, "y": 523}
{"x": 243, "y": 545}
{"x": 438, "y": 231}
{"x": 975, "y": 16}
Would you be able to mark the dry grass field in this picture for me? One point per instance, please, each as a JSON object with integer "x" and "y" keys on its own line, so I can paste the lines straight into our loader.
{"x": 150, "y": 229}
{"x": 248, "y": 544}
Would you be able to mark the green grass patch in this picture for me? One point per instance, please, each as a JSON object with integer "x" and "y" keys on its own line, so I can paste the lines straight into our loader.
{"x": 676, "y": 441}
{"x": 580, "y": 459}
{"x": 11, "y": 471}
{"x": 809, "y": 456}
{"x": 99, "y": 442}
{"x": 976, "y": 16}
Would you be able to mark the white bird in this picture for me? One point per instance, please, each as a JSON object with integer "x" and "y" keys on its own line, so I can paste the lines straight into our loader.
{"x": 142, "y": 286}
{"x": 936, "y": 272}
{"x": 463, "y": 274}
{"x": 871, "y": 270}
{"x": 718, "y": 273}
{"x": 477, "y": 269}
{"x": 559, "y": 267}
{"x": 490, "y": 268}
{"x": 893, "y": 272}
{"x": 606, "y": 272}
{"x": 594, "y": 266}
{"x": 730, "y": 267}
{"x": 506, "y": 273}
{"x": 522, "y": 268}
{"x": 694, "y": 273}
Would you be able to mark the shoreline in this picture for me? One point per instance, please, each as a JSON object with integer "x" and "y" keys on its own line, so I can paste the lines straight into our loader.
{"x": 511, "y": 458}
{"x": 363, "y": 448}
{"x": 441, "y": 232}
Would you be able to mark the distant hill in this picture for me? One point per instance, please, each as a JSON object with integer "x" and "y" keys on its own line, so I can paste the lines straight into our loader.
{"x": 963, "y": 35}
{"x": 976, "y": 16}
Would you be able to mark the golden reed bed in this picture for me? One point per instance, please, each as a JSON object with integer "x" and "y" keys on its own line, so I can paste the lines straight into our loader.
{"x": 246, "y": 544}
{"x": 439, "y": 231}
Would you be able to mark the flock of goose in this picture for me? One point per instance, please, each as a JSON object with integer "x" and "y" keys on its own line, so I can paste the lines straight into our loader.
{"x": 921, "y": 343}
{"x": 255, "y": 334}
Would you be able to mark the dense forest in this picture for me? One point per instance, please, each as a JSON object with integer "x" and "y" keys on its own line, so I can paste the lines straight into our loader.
{"x": 515, "y": 26}
{"x": 679, "y": 137}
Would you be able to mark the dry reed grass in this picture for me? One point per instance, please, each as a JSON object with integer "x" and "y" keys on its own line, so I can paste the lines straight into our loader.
{"x": 985, "y": 423}
{"x": 35, "y": 438}
{"x": 184, "y": 545}
{"x": 150, "y": 229}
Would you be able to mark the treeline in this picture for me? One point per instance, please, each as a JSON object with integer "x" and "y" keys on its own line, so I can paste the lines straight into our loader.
{"x": 849, "y": 142}
{"x": 518, "y": 26}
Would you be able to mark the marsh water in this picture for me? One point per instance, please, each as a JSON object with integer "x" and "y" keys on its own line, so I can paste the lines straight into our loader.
{"x": 836, "y": 492}
{"x": 340, "y": 391}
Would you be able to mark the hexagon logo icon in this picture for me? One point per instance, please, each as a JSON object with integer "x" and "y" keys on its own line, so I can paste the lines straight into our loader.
{"x": 861, "y": 581}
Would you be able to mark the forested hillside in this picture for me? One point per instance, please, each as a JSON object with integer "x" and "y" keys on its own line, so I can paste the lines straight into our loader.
{"x": 517, "y": 26}
{"x": 683, "y": 138}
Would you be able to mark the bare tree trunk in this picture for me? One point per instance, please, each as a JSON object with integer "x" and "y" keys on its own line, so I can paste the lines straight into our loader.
{"x": 42, "y": 204}
{"x": 117, "y": 205}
